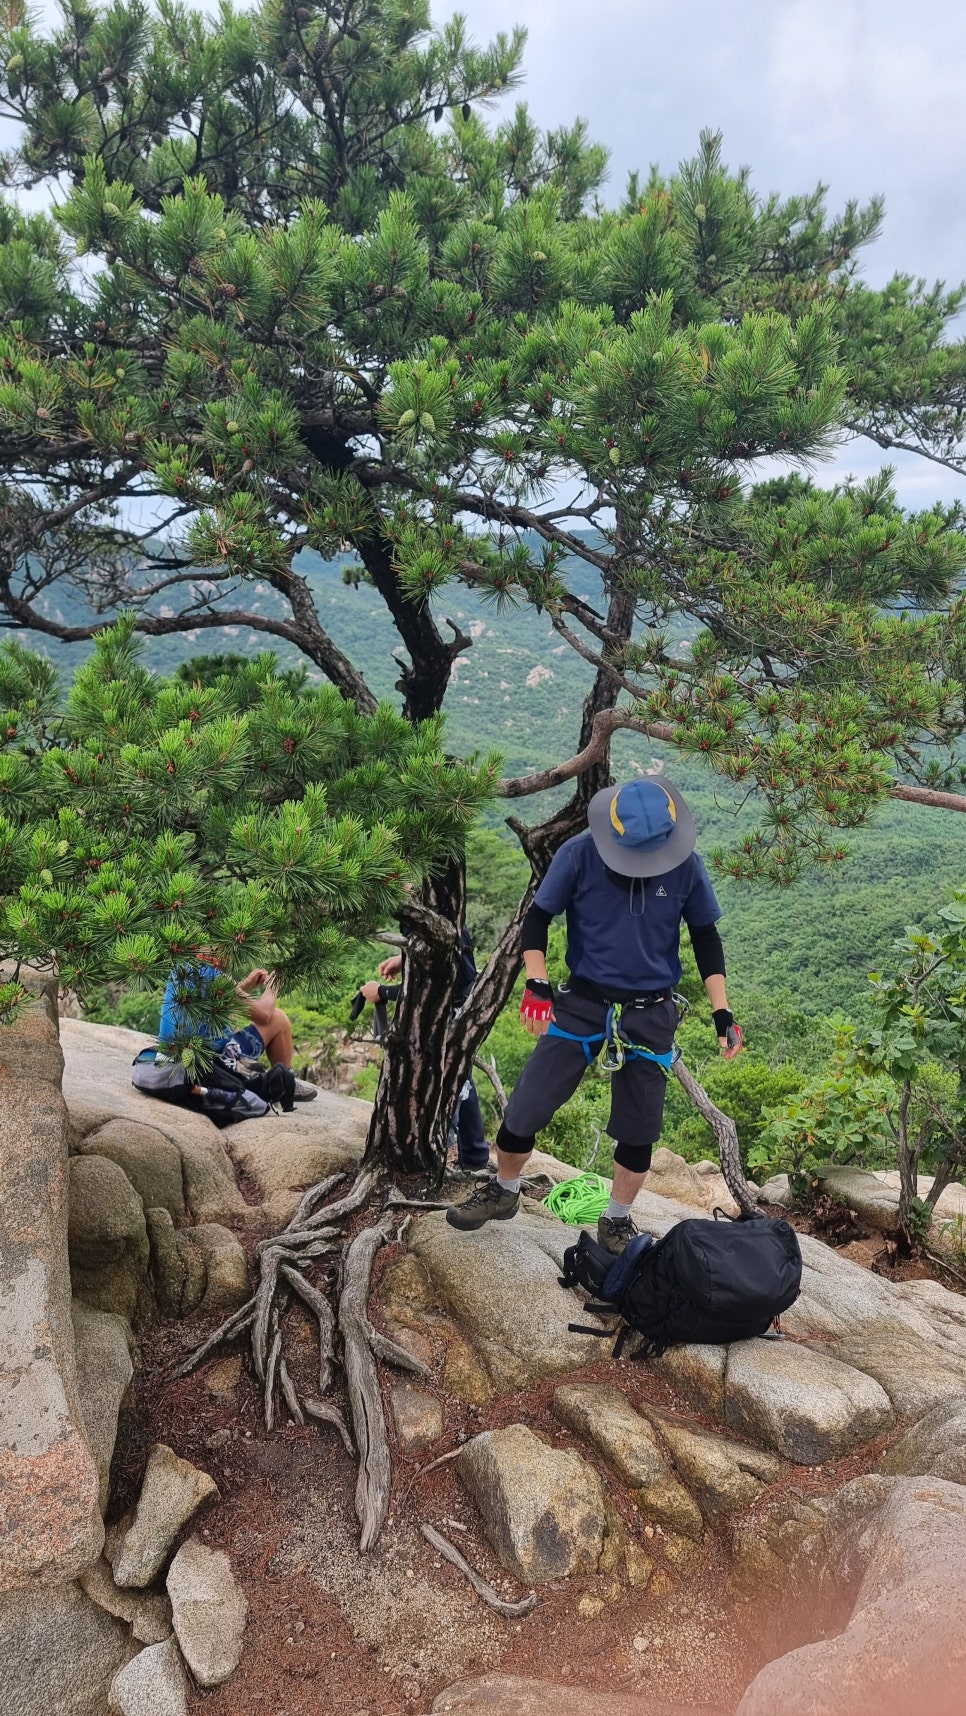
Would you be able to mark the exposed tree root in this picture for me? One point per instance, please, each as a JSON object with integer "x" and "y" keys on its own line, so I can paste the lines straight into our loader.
{"x": 362, "y": 1378}
{"x": 236, "y": 1324}
{"x": 316, "y": 1230}
{"x": 492, "y": 1598}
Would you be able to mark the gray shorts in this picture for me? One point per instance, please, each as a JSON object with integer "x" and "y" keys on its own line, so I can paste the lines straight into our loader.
{"x": 556, "y": 1067}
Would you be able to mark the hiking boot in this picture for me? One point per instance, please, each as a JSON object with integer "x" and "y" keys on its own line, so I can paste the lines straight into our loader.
{"x": 614, "y": 1232}
{"x": 488, "y": 1203}
{"x": 305, "y": 1092}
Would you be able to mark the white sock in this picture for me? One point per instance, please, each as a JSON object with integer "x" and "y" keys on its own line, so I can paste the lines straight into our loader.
{"x": 615, "y": 1211}
{"x": 508, "y": 1185}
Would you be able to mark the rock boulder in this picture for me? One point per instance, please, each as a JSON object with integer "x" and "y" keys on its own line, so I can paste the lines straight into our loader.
{"x": 904, "y": 1647}
{"x": 469, "y": 1273}
{"x": 605, "y": 1419}
{"x": 59, "y": 1652}
{"x": 936, "y": 1447}
{"x": 107, "y": 1236}
{"x": 104, "y": 1370}
{"x": 209, "y": 1611}
{"x": 171, "y": 1494}
{"x": 543, "y": 1508}
{"x": 48, "y": 1477}
{"x": 807, "y": 1406}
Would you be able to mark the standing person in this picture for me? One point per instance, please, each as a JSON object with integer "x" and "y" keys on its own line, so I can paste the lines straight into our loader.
{"x": 626, "y": 885}
{"x": 269, "y": 1029}
{"x": 472, "y": 1149}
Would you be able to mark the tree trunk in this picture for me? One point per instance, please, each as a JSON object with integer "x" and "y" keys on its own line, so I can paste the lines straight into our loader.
{"x": 425, "y": 679}
{"x": 429, "y": 1049}
{"x": 410, "y": 1119}
{"x": 540, "y": 843}
{"x": 908, "y": 1179}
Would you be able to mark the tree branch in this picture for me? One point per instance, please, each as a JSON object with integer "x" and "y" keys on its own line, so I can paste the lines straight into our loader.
{"x": 606, "y": 723}
{"x": 928, "y": 796}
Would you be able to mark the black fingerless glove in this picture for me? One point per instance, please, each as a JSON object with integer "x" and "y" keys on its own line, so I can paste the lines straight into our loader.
{"x": 723, "y": 1018}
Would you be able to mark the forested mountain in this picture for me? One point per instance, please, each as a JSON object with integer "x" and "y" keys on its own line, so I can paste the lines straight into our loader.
{"x": 519, "y": 688}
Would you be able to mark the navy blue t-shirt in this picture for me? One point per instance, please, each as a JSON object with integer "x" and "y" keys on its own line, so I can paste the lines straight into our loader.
{"x": 624, "y": 937}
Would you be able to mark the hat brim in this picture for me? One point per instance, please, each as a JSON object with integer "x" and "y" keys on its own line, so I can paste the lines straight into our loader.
{"x": 624, "y": 859}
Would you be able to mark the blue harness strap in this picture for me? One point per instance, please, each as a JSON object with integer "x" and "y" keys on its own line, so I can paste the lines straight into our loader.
{"x": 615, "y": 1049}
{"x": 554, "y": 1030}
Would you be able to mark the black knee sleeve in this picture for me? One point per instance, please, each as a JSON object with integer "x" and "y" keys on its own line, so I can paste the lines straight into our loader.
{"x": 636, "y": 1158}
{"x": 512, "y": 1143}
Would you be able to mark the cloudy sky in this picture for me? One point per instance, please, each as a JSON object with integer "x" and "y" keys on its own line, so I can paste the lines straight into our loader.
{"x": 865, "y": 95}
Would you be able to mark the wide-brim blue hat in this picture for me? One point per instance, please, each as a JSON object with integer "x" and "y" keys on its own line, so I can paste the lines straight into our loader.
{"x": 643, "y": 828}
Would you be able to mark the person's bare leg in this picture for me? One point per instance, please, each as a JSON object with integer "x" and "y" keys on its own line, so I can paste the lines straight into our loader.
{"x": 277, "y": 1037}
{"x": 626, "y": 1184}
{"x": 510, "y": 1167}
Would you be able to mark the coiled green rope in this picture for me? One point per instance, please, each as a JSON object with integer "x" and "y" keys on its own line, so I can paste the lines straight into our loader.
{"x": 581, "y": 1200}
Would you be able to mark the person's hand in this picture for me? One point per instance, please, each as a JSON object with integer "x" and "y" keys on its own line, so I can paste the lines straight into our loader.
{"x": 370, "y": 991}
{"x": 259, "y": 977}
{"x": 392, "y": 966}
{"x": 536, "y": 1008}
{"x": 730, "y": 1039}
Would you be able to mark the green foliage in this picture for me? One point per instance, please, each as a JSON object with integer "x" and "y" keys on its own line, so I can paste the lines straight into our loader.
{"x": 919, "y": 1220}
{"x": 326, "y": 306}
{"x": 894, "y": 1093}
{"x": 838, "y": 1118}
{"x": 153, "y": 820}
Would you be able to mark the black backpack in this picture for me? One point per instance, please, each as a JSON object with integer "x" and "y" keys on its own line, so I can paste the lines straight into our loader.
{"x": 709, "y": 1281}
{"x": 227, "y": 1095}
{"x": 275, "y": 1085}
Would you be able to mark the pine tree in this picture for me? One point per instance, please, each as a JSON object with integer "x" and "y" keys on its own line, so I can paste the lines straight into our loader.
{"x": 144, "y": 821}
{"x": 302, "y": 293}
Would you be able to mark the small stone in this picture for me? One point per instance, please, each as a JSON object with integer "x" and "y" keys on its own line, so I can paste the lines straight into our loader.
{"x": 724, "y": 1475}
{"x": 661, "y": 1585}
{"x": 417, "y": 1416}
{"x": 209, "y": 1611}
{"x": 638, "y": 1567}
{"x": 590, "y": 1607}
{"x": 149, "y": 1617}
{"x": 222, "y": 1379}
{"x": 153, "y": 1684}
{"x": 172, "y": 1492}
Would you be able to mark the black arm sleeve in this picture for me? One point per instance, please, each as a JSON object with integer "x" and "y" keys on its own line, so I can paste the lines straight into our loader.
{"x": 534, "y": 930}
{"x": 389, "y": 992}
{"x": 708, "y": 950}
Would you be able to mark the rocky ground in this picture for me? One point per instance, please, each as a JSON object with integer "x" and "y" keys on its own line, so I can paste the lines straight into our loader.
{"x": 683, "y": 1526}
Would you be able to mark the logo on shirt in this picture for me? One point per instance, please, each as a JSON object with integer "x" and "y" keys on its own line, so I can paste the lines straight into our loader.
{"x": 661, "y": 894}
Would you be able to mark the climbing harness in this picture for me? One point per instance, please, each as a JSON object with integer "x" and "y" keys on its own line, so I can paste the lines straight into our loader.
{"x": 615, "y": 1049}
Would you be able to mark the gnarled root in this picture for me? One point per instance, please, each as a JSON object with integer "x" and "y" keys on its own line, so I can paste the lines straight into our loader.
{"x": 492, "y": 1598}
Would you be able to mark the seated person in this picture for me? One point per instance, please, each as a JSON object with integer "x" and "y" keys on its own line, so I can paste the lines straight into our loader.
{"x": 269, "y": 1031}
{"x": 466, "y": 1128}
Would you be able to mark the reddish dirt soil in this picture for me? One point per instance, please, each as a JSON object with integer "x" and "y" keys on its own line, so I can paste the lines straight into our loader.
{"x": 327, "y": 1634}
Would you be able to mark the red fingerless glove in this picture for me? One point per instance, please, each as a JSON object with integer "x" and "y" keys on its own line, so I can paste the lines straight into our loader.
{"x": 537, "y": 1001}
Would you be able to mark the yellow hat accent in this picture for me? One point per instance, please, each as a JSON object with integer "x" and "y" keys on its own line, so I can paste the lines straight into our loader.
{"x": 616, "y": 821}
